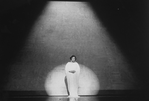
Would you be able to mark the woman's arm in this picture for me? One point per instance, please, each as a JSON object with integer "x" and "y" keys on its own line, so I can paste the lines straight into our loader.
{"x": 72, "y": 71}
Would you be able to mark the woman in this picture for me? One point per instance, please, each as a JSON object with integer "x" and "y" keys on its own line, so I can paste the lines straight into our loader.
{"x": 72, "y": 70}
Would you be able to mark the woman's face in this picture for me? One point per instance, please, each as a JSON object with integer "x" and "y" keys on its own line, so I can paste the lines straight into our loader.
{"x": 73, "y": 59}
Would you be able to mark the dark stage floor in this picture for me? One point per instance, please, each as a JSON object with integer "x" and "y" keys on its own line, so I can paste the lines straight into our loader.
{"x": 86, "y": 98}
{"x": 112, "y": 96}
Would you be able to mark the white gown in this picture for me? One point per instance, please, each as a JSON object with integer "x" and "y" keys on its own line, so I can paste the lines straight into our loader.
{"x": 72, "y": 78}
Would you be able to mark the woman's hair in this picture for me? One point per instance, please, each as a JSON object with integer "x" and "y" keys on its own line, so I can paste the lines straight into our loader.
{"x": 73, "y": 56}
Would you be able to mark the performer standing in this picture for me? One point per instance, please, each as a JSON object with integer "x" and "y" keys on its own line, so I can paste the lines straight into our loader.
{"x": 72, "y": 70}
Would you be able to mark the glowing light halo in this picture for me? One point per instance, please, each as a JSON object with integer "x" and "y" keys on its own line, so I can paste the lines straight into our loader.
{"x": 88, "y": 81}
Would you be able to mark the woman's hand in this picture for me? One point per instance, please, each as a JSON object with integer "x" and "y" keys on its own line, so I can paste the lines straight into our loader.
{"x": 72, "y": 71}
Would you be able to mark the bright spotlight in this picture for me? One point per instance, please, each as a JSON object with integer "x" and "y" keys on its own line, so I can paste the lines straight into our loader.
{"x": 55, "y": 82}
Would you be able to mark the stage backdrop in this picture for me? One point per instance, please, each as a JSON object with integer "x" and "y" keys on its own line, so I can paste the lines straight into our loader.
{"x": 65, "y": 29}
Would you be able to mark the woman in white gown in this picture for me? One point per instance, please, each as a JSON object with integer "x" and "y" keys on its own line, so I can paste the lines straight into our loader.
{"x": 72, "y": 70}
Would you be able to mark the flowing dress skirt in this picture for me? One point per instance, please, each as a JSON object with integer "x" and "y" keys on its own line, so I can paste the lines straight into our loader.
{"x": 73, "y": 80}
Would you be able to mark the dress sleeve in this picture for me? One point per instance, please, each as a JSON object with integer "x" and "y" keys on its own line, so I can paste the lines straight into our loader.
{"x": 66, "y": 68}
{"x": 78, "y": 68}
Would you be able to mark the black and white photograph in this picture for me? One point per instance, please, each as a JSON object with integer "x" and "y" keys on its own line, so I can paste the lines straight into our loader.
{"x": 95, "y": 50}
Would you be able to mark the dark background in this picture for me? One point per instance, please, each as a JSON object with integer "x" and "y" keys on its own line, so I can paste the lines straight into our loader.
{"x": 125, "y": 20}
